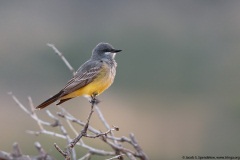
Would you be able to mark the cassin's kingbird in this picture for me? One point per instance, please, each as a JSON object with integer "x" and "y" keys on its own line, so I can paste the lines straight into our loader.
{"x": 92, "y": 78}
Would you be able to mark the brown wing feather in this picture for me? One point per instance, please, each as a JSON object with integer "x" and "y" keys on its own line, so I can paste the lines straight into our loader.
{"x": 82, "y": 78}
{"x": 85, "y": 75}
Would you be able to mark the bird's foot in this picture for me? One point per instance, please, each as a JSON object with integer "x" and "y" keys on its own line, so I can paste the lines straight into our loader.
{"x": 94, "y": 100}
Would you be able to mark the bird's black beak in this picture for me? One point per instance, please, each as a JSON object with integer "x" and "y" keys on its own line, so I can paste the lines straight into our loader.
{"x": 116, "y": 50}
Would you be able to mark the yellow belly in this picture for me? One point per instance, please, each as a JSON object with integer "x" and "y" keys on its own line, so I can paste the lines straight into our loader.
{"x": 97, "y": 86}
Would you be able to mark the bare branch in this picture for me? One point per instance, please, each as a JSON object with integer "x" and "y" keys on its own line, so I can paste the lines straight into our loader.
{"x": 33, "y": 114}
{"x": 84, "y": 130}
{"x": 91, "y": 149}
{"x": 64, "y": 132}
{"x": 18, "y": 103}
{"x": 39, "y": 148}
{"x": 86, "y": 157}
{"x": 62, "y": 57}
{"x": 101, "y": 134}
{"x": 68, "y": 121}
{"x": 142, "y": 155}
{"x": 116, "y": 157}
{"x": 67, "y": 157}
{"x": 77, "y": 121}
{"x": 26, "y": 110}
{"x": 130, "y": 156}
{"x": 119, "y": 148}
{"x": 17, "y": 155}
{"x": 101, "y": 117}
{"x": 117, "y": 151}
{"x": 16, "y": 151}
{"x": 69, "y": 118}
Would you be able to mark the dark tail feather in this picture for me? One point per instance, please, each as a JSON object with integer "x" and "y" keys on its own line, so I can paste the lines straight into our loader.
{"x": 63, "y": 100}
{"x": 50, "y": 100}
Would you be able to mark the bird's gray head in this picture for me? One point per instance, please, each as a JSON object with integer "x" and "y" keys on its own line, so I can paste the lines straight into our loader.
{"x": 104, "y": 50}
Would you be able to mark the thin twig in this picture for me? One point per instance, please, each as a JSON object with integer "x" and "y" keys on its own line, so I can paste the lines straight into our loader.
{"x": 62, "y": 57}
{"x": 16, "y": 150}
{"x": 101, "y": 134}
{"x": 130, "y": 156}
{"x": 116, "y": 157}
{"x": 142, "y": 155}
{"x": 84, "y": 130}
{"x": 61, "y": 151}
{"x": 27, "y": 111}
{"x": 73, "y": 142}
{"x": 101, "y": 117}
{"x": 37, "y": 133}
{"x": 119, "y": 148}
{"x": 34, "y": 114}
{"x": 18, "y": 103}
{"x": 68, "y": 121}
{"x": 64, "y": 132}
{"x": 77, "y": 121}
{"x": 17, "y": 154}
{"x": 86, "y": 157}
{"x": 91, "y": 149}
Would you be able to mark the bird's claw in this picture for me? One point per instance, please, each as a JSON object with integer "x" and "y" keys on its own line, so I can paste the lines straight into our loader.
{"x": 94, "y": 101}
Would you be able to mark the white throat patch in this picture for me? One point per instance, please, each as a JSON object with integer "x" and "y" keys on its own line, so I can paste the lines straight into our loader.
{"x": 110, "y": 53}
{"x": 107, "y": 53}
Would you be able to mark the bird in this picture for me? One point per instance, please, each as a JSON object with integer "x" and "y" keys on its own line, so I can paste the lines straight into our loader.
{"x": 91, "y": 79}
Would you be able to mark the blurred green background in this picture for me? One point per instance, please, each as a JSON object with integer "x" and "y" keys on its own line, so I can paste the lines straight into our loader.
{"x": 178, "y": 79}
